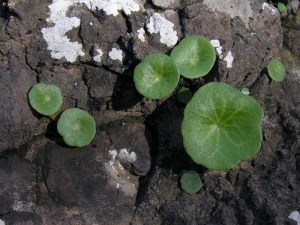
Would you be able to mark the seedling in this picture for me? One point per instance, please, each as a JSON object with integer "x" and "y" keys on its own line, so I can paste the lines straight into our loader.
{"x": 45, "y": 98}
{"x": 191, "y": 182}
{"x": 221, "y": 126}
{"x": 195, "y": 56}
{"x": 156, "y": 76}
{"x": 276, "y": 70}
{"x": 77, "y": 127}
{"x": 184, "y": 95}
{"x": 282, "y": 8}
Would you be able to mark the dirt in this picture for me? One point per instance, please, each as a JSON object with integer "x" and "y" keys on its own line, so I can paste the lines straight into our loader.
{"x": 43, "y": 181}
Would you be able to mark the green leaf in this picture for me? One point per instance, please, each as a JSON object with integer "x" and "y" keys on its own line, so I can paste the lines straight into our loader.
{"x": 282, "y": 8}
{"x": 195, "y": 56}
{"x": 191, "y": 182}
{"x": 156, "y": 76}
{"x": 221, "y": 126}
{"x": 77, "y": 127}
{"x": 276, "y": 70}
{"x": 45, "y": 98}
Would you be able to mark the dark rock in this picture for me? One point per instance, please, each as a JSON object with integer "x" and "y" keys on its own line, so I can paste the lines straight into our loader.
{"x": 89, "y": 182}
{"x": 292, "y": 41}
{"x": 24, "y": 17}
{"x": 251, "y": 47}
{"x": 18, "y": 123}
{"x": 16, "y": 185}
{"x": 133, "y": 138}
{"x": 69, "y": 80}
{"x": 100, "y": 82}
{"x": 93, "y": 178}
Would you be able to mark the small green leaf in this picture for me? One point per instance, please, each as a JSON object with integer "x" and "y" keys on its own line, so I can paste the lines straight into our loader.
{"x": 77, "y": 127}
{"x": 191, "y": 182}
{"x": 195, "y": 56}
{"x": 184, "y": 95}
{"x": 156, "y": 76}
{"x": 276, "y": 70}
{"x": 221, "y": 126}
{"x": 282, "y": 8}
{"x": 45, "y": 98}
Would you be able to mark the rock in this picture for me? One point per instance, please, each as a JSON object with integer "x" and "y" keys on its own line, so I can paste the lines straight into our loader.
{"x": 17, "y": 120}
{"x": 101, "y": 85}
{"x": 168, "y": 4}
{"x": 292, "y": 41}
{"x": 96, "y": 175}
{"x": 16, "y": 185}
{"x": 134, "y": 138}
{"x": 20, "y": 24}
{"x": 69, "y": 80}
{"x": 251, "y": 48}
{"x": 88, "y": 183}
{"x": 163, "y": 32}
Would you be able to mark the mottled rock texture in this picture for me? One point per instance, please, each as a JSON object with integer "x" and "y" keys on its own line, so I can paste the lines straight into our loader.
{"x": 129, "y": 173}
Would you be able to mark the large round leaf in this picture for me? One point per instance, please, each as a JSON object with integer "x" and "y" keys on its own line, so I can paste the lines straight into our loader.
{"x": 156, "y": 76}
{"x": 221, "y": 126}
{"x": 45, "y": 98}
{"x": 77, "y": 127}
{"x": 195, "y": 56}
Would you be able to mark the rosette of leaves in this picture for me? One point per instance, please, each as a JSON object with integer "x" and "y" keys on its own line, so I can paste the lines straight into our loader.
{"x": 45, "y": 98}
{"x": 77, "y": 127}
{"x": 221, "y": 126}
{"x": 194, "y": 56}
{"x": 157, "y": 76}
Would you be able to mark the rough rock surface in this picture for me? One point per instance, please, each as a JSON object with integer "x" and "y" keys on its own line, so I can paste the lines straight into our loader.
{"x": 76, "y": 185}
{"x": 42, "y": 181}
{"x": 16, "y": 78}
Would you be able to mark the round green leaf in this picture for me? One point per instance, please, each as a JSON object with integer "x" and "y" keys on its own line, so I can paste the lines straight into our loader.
{"x": 195, "y": 56}
{"x": 282, "y": 8}
{"x": 45, "y": 98}
{"x": 184, "y": 95}
{"x": 156, "y": 76}
{"x": 77, "y": 127}
{"x": 276, "y": 70}
{"x": 221, "y": 126}
{"x": 190, "y": 182}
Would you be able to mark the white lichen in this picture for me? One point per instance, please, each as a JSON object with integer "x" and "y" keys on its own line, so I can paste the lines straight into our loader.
{"x": 2, "y": 222}
{"x": 157, "y": 23}
{"x": 121, "y": 178}
{"x": 97, "y": 58}
{"x": 216, "y": 44}
{"x": 269, "y": 7}
{"x": 113, "y": 153}
{"x": 116, "y": 54}
{"x": 229, "y": 59}
{"x": 112, "y": 7}
{"x": 245, "y": 91}
{"x": 58, "y": 42}
{"x": 130, "y": 157}
{"x": 295, "y": 215}
{"x": 141, "y": 34}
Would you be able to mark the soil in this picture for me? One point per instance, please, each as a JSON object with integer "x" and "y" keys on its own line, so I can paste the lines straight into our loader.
{"x": 129, "y": 173}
